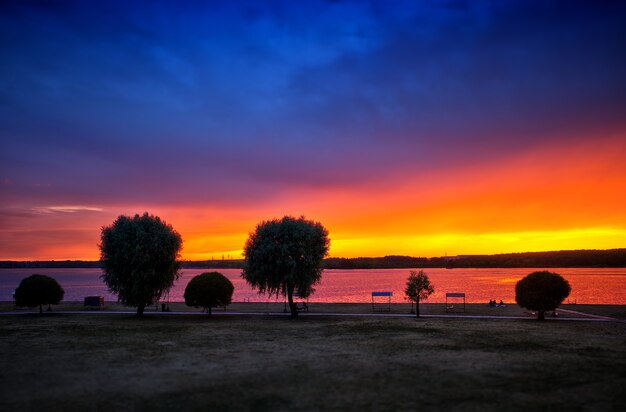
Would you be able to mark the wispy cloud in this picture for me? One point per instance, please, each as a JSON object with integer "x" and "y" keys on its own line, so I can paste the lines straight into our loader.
{"x": 66, "y": 209}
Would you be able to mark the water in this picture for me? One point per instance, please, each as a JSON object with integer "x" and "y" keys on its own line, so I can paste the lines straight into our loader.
{"x": 589, "y": 285}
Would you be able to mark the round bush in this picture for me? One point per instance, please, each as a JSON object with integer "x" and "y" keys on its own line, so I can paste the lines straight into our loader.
{"x": 209, "y": 290}
{"x": 37, "y": 290}
{"x": 541, "y": 291}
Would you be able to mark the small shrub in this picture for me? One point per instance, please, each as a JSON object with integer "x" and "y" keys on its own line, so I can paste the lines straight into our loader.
{"x": 209, "y": 290}
{"x": 37, "y": 290}
{"x": 541, "y": 292}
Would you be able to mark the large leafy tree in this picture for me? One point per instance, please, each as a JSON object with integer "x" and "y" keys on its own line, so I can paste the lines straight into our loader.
{"x": 140, "y": 259}
{"x": 418, "y": 288}
{"x": 285, "y": 255}
{"x": 542, "y": 291}
{"x": 37, "y": 290}
{"x": 209, "y": 290}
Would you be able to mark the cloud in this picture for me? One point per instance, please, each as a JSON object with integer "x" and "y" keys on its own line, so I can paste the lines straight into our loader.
{"x": 66, "y": 209}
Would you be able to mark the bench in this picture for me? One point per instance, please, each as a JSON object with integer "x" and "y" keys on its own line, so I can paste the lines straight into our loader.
{"x": 94, "y": 302}
{"x": 301, "y": 306}
{"x": 450, "y": 307}
{"x": 381, "y": 307}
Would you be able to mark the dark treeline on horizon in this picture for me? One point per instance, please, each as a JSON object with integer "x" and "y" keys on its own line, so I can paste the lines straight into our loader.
{"x": 562, "y": 258}
{"x": 49, "y": 264}
{"x": 554, "y": 259}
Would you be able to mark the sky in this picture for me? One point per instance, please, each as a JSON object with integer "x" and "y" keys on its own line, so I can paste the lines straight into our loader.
{"x": 406, "y": 128}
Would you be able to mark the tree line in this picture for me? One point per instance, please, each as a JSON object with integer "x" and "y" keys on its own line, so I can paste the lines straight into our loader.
{"x": 554, "y": 259}
{"x": 564, "y": 258}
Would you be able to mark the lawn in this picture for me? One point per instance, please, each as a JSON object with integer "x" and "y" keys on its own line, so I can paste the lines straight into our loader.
{"x": 191, "y": 362}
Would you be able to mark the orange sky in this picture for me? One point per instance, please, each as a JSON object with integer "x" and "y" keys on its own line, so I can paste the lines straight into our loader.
{"x": 550, "y": 198}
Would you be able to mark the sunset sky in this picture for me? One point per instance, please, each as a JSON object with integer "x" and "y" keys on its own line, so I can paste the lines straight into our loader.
{"x": 416, "y": 128}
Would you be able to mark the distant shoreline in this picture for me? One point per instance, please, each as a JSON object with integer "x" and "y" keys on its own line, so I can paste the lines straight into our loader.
{"x": 611, "y": 258}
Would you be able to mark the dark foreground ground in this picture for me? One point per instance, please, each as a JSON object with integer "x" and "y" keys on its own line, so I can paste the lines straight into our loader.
{"x": 96, "y": 362}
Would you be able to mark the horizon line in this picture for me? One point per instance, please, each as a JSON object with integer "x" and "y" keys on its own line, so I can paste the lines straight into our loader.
{"x": 340, "y": 257}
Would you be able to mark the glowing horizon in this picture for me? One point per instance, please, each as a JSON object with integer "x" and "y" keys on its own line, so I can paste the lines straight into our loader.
{"x": 452, "y": 245}
{"x": 450, "y": 217}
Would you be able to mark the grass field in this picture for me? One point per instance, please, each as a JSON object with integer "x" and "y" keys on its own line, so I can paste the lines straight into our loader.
{"x": 189, "y": 362}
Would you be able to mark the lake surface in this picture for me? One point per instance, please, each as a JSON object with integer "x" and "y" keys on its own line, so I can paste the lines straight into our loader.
{"x": 589, "y": 285}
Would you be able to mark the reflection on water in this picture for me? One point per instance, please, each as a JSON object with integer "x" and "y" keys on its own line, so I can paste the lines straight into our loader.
{"x": 508, "y": 280}
{"x": 589, "y": 285}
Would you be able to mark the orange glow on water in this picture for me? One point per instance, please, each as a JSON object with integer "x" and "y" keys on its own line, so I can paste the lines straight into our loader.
{"x": 589, "y": 285}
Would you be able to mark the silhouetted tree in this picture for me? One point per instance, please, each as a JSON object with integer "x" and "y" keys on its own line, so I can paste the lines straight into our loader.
{"x": 418, "y": 288}
{"x": 37, "y": 290}
{"x": 541, "y": 292}
{"x": 209, "y": 290}
{"x": 139, "y": 258}
{"x": 285, "y": 255}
